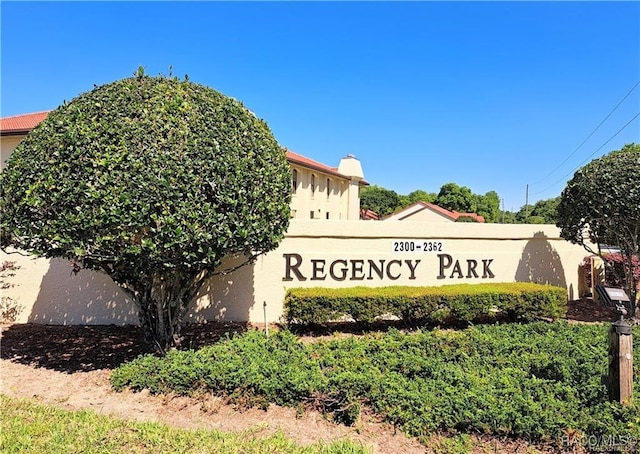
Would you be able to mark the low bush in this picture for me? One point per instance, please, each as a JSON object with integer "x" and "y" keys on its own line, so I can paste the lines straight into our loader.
{"x": 615, "y": 270}
{"x": 614, "y": 275}
{"x": 425, "y": 305}
{"x": 250, "y": 369}
{"x": 536, "y": 381}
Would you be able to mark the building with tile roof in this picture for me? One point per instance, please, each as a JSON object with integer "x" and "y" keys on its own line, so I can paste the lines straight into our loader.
{"x": 13, "y": 129}
{"x": 318, "y": 190}
{"x": 369, "y": 215}
{"x": 424, "y": 211}
{"x": 322, "y": 192}
{"x": 21, "y": 124}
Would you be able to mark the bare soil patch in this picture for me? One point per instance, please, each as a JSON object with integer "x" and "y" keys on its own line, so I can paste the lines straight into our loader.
{"x": 69, "y": 367}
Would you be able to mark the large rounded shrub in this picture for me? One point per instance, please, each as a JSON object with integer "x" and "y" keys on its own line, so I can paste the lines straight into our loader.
{"x": 601, "y": 206}
{"x": 152, "y": 180}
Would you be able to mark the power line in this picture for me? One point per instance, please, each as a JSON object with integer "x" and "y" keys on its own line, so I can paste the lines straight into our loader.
{"x": 588, "y": 157}
{"x": 609, "y": 140}
{"x": 591, "y": 134}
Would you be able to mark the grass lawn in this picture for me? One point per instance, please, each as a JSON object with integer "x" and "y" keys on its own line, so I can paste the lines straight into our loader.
{"x": 28, "y": 427}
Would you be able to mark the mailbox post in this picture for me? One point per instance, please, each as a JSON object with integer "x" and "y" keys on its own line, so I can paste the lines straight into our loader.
{"x": 620, "y": 383}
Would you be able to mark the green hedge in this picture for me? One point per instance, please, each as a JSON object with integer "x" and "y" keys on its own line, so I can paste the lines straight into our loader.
{"x": 425, "y": 305}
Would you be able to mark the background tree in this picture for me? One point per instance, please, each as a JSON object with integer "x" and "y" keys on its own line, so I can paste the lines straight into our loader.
{"x": 417, "y": 196}
{"x": 601, "y": 205}
{"x": 456, "y": 198}
{"x": 542, "y": 212}
{"x": 535, "y": 220}
{"x": 451, "y": 196}
{"x": 508, "y": 217}
{"x": 152, "y": 181}
{"x": 488, "y": 205}
{"x": 523, "y": 214}
{"x": 382, "y": 201}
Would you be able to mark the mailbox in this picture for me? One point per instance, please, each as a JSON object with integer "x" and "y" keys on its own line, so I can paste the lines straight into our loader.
{"x": 615, "y": 298}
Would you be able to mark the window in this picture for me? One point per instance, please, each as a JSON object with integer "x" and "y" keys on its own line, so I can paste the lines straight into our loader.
{"x": 313, "y": 184}
{"x": 327, "y": 215}
{"x": 294, "y": 181}
{"x": 328, "y": 188}
{"x": 311, "y": 213}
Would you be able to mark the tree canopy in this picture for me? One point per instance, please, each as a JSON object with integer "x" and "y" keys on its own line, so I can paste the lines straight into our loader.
{"x": 488, "y": 206}
{"x": 451, "y": 196}
{"x": 546, "y": 209}
{"x": 601, "y": 205}
{"x": 456, "y": 198}
{"x": 542, "y": 212}
{"x": 152, "y": 180}
{"x": 416, "y": 196}
{"x": 382, "y": 201}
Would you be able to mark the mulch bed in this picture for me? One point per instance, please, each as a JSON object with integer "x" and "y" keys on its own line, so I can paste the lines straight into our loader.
{"x": 588, "y": 310}
{"x": 91, "y": 347}
{"x": 85, "y": 348}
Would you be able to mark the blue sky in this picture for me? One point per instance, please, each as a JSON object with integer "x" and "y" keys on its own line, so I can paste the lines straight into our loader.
{"x": 493, "y": 96}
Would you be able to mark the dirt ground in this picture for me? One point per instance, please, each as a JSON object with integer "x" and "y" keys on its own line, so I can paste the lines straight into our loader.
{"x": 69, "y": 367}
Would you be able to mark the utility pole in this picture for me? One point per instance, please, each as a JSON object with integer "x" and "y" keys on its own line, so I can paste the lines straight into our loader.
{"x": 526, "y": 205}
{"x": 503, "y": 210}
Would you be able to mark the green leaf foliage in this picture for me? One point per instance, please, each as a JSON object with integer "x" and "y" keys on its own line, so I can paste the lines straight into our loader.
{"x": 536, "y": 381}
{"x": 488, "y": 206}
{"x": 418, "y": 195}
{"x": 543, "y": 212}
{"x": 451, "y": 196}
{"x": 425, "y": 305}
{"x": 153, "y": 181}
{"x": 456, "y": 198}
{"x": 382, "y": 201}
{"x": 251, "y": 369}
{"x": 547, "y": 210}
{"x": 601, "y": 205}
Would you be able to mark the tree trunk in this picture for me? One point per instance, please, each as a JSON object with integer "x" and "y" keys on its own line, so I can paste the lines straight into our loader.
{"x": 162, "y": 303}
{"x": 161, "y": 328}
{"x": 163, "y": 300}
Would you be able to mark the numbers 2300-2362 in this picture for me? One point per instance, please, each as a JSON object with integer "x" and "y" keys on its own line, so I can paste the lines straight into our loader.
{"x": 412, "y": 246}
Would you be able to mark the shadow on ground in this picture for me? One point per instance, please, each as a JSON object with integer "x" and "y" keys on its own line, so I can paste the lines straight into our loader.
{"x": 92, "y": 347}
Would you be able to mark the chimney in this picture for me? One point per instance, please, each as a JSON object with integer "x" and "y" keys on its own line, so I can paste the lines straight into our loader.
{"x": 350, "y": 167}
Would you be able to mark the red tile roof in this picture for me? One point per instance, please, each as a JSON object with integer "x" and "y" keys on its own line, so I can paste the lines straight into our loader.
{"x": 303, "y": 161}
{"x": 369, "y": 215}
{"x": 21, "y": 124}
{"x": 439, "y": 209}
{"x": 475, "y": 216}
{"x": 453, "y": 215}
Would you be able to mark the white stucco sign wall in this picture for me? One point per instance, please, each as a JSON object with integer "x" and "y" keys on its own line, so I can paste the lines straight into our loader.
{"x": 320, "y": 254}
